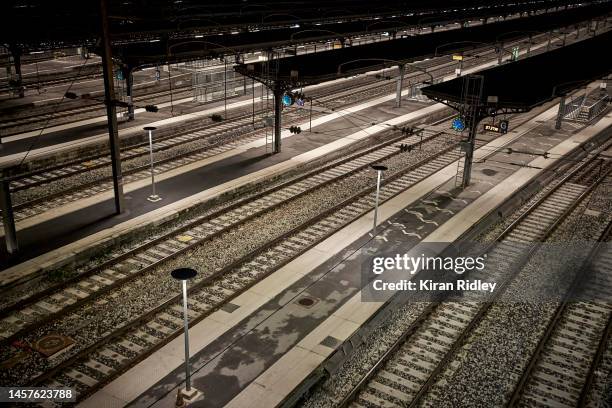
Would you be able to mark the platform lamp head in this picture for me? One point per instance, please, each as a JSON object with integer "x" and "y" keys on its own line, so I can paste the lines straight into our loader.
{"x": 380, "y": 167}
{"x": 183, "y": 275}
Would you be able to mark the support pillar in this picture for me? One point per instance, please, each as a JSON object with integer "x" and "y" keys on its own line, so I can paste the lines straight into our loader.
{"x": 528, "y": 46}
{"x": 469, "y": 154}
{"x": 473, "y": 89}
{"x": 8, "y": 219}
{"x": 560, "y": 113}
{"x": 400, "y": 80}
{"x": 278, "y": 98}
{"x": 17, "y": 62}
{"x": 500, "y": 53}
{"x": 111, "y": 110}
{"x": 129, "y": 86}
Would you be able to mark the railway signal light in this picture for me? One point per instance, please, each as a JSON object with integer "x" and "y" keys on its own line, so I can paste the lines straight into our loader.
{"x": 458, "y": 124}
{"x": 503, "y": 126}
{"x": 151, "y": 108}
{"x": 295, "y": 129}
{"x": 405, "y": 147}
{"x": 288, "y": 99}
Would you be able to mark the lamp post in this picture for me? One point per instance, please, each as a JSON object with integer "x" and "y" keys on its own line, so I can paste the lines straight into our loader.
{"x": 153, "y": 197}
{"x": 379, "y": 169}
{"x": 183, "y": 275}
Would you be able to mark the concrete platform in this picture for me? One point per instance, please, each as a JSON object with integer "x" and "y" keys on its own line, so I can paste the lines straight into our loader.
{"x": 254, "y": 356}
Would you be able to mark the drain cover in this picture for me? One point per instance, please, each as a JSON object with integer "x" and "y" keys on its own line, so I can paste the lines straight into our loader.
{"x": 306, "y": 301}
{"x": 489, "y": 172}
{"x": 51, "y": 344}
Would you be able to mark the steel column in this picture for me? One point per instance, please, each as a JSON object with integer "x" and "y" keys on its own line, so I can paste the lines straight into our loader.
{"x": 560, "y": 113}
{"x": 469, "y": 155}
{"x": 8, "y": 219}
{"x": 111, "y": 111}
{"x": 400, "y": 80}
{"x": 253, "y": 89}
{"x": 129, "y": 85}
{"x": 186, "y": 328}
{"x": 529, "y": 46}
{"x": 17, "y": 61}
{"x": 378, "y": 178}
{"x": 225, "y": 87}
{"x": 278, "y": 97}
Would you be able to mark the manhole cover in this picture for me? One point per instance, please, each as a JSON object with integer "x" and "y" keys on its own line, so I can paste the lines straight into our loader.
{"x": 489, "y": 172}
{"x": 306, "y": 301}
{"x": 51, "y": 344}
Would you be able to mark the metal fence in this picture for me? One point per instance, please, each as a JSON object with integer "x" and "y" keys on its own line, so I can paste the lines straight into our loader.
{"x": 580, "y": 111}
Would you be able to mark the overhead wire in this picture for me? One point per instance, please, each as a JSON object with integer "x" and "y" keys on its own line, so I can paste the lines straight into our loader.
{"x": 57, "y": 105}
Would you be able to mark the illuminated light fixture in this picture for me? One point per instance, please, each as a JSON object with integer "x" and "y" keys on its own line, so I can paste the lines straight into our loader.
{"x": 288, "y": 99}
{"x": 458, "y": 124}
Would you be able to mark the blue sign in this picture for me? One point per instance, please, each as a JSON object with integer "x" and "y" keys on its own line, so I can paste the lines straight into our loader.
{"x": 287, "y": 99}
{"x": 458, "y": 124}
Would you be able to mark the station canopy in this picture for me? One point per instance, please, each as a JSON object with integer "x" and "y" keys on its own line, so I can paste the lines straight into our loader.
{"x": 524, "y": 84}
{"x": 43, "y": 24}
{"x": 311, "y": 69}
{"x": 186, "y": 45}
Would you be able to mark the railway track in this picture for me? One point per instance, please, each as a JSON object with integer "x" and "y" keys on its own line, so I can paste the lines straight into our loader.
{"x": 58, "y": 78}
{"x": 41, "y": 177}
{"x": 116, "y": 351}
{"x": 411, "y": 365}
{"x": 563, "y": 365}
{"x": 194, "y": 233}
{"x": 239, "y": 125}
{"x": 35, "y": 121}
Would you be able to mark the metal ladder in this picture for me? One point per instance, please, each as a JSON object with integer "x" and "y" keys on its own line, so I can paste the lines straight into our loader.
{"x": 460, "y": 168}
